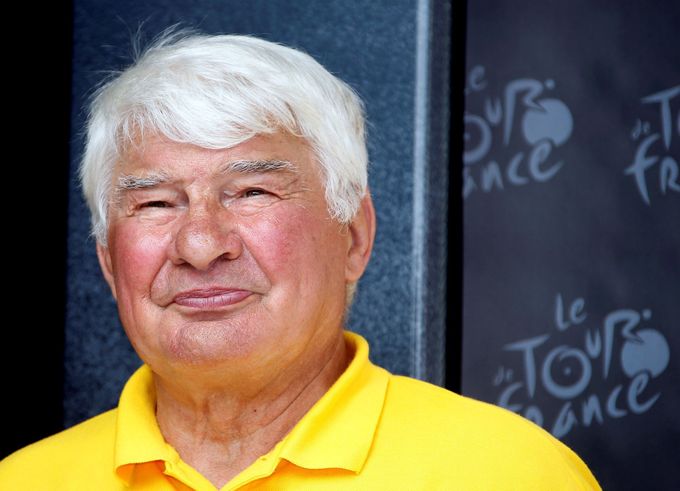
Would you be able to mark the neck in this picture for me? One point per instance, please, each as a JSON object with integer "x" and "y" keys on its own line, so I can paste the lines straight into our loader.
{"x": 220, "y": 431}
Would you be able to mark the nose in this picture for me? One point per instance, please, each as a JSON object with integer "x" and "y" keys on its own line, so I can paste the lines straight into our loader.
{"x": 205, "y": 235}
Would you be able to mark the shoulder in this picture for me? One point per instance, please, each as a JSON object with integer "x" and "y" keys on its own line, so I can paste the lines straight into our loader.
{"x": 426, "y": 405}
{"x": 86, "y": 445}
{"x": 479, "y": 440}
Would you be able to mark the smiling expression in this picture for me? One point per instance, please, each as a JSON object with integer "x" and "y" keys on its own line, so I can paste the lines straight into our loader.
{"x": 222, "y": 255}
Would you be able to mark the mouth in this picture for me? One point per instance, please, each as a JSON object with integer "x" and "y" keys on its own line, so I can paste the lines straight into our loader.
{"x": 211, "y": 298}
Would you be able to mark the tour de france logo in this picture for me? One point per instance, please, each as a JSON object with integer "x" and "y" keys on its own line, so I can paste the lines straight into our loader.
{"x": 584, "y": 370}
{"x": 510, "y": 136}
{"x": 655, "y": 164}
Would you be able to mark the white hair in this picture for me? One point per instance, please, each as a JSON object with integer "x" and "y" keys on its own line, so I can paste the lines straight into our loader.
{"x": 219, "y": 91}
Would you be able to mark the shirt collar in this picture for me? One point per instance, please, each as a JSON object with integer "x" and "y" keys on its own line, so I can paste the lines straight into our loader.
{"x": 138, "y": 437}
{"x": 337, "y": 432}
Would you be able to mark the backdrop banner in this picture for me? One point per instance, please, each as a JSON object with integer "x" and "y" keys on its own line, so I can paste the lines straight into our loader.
{"x": 571, "y": 193}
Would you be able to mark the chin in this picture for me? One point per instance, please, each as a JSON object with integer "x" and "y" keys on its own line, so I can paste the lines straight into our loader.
{"x": 212, "y": 344}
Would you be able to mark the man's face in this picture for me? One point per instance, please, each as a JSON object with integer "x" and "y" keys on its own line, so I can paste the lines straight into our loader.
{"x": 216, "y": 256}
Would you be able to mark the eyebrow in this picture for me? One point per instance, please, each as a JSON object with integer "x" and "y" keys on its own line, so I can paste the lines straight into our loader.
{"x": 258, "y": 166}
{"x": 130, "y": 182}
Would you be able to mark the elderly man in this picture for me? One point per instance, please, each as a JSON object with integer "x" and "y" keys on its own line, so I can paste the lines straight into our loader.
{"x": 226, "y": 177}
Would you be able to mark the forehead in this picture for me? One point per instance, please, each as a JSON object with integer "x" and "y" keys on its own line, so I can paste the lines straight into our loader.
{"x": 158, "y": 154}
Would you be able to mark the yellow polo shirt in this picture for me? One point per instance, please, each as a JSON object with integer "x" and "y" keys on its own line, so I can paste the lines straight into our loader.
{"x": 370, "y": 431}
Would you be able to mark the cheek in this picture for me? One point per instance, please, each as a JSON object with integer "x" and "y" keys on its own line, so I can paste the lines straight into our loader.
{"x": 295, "y": 244}
{"x": 137, "y": 258}
{"x": 272, "y": 241}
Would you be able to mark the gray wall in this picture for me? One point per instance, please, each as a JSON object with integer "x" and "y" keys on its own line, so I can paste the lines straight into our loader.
{"x": 384, "y": 49}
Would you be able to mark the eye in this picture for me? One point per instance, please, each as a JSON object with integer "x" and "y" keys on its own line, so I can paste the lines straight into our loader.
{"x": 155, "y": 204}
{"x": 251, "y": 193}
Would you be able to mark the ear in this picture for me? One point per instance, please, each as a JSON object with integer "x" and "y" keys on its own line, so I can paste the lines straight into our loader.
{"x": 105, "y": 264}
{"x": 362, "y": 234}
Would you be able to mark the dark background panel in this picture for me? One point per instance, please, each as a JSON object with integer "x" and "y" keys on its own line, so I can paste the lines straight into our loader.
{"x": 454, "y": 232}
{"x": 35, "y": 108}
{"x": 585, "y": 236}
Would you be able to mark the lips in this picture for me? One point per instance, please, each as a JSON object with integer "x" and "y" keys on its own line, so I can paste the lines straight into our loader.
{"x": 210, "y": 298}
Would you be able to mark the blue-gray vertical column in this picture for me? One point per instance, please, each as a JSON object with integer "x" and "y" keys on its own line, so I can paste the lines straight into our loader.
{"x": 384, "y": 49}
{"x": 572, "y": 227}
